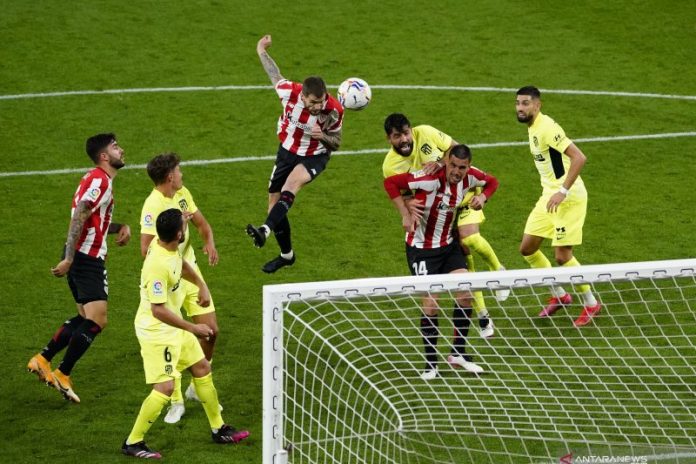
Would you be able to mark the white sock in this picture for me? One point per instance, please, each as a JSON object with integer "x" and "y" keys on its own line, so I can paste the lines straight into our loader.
{"x": 288, "y": 255}
{"x": 558, "y": 291}
{"x": 482, "y": 314}
{"x": 266, "y": 230}
{"x": 589, "y": 298}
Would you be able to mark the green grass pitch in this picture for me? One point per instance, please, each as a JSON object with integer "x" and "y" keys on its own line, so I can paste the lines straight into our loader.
{"x": 641, "y": 191}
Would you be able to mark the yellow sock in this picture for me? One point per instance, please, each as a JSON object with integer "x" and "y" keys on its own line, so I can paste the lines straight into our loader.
{"x": 470, "y": 265}
{"x": 479, "y": 304}
{"x": 149, "y": 411}
{"x": 205, "y": 389}
{"x": 176, "y": 394}
{"x": 537, "y": 260}
{"x": 481, "y": 246}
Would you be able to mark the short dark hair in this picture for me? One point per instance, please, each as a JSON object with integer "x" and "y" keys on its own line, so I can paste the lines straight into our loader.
{"x": 160, "y": 166}
{"x": 97, "y": 143}
{"x": 396, "y": 121}
{"x": 530, "y": 90}
{"x": 169, "y": 222}
{"x": 461, "y": 151}
{"x": 314, "y": 85}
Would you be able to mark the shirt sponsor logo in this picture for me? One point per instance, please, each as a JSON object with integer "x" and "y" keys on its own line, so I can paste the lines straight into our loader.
{"x": 296, "y": 123}
{"x": 157, "y": 288}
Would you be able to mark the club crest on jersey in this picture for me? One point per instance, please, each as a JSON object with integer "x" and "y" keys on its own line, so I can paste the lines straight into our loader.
{"x": 426, "y": 148}
{"x": 157, "y": 288}
{"x": 183, "y": 204}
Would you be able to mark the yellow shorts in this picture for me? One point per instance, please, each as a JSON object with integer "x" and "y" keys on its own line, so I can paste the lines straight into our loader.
{"x": 466, "y": 215}
{"x": 564, "y": 226}
{"x": 164, "y": 361}
{"x": 190, "y": 306}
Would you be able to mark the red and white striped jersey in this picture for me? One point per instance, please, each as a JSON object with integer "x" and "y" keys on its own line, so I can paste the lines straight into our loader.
{"x": 96, "y": 189}
{"x": 296, "y": 122}
{"x": 441, "y": 200}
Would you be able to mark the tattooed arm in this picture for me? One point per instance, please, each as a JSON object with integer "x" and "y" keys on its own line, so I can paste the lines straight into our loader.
{"x": 82, "y": 212}
{"x": 330, "y": 140}
{"x": 267, "y": 62}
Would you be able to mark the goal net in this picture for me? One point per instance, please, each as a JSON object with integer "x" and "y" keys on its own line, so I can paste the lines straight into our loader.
{"x": 343, "y": 363}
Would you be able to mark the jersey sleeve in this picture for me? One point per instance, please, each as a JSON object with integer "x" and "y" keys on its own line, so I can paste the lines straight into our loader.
{"x": 335, "y": 121}
{"x": 95, "y": 193}
{"x": 148, "y": 218}
{"x": 156, "y": 285}
{"x": 395, "y": 164}
{"x": 488, "y": 183}
{"x": 191, "y": 205}
{"x": 284, "y": 89}
{"x": 410, "y": 181}
{"x": 555, "y": 137}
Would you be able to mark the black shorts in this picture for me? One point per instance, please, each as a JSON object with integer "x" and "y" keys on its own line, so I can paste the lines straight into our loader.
{"x": 87, "y": 279}
{"x": 441, "y": 260}
{"x": 286, "y": 162}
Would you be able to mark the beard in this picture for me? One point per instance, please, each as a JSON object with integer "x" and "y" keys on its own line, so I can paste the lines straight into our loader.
{"x": 525, "y": 118}
{"x": 404, "y": 150}
{"x": 116, "y": 163}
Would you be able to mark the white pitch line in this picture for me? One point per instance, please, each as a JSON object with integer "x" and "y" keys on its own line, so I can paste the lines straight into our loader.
{"x": 618, "y": 138}
{"x": 377, "y": 86}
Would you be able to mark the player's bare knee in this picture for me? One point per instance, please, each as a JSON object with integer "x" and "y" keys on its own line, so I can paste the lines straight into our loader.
{"x": 166, "y": 388}
{"x": 201, "y": 368}
{"x": 526, "y": 250}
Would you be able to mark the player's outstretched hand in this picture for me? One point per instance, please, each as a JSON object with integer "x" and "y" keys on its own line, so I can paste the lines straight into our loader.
{"x": 202, "y": 331}
{"x": 317, "y": 133}
{"x": 409, "y": 223}
{"x": 263, "y": 43}
{"x": 61, "y": 268}
{"x": 432, "y": 167}
{"x": 555, "y": 200}
{"x": 477, "y": 202}
{"x": 210, "y": 250}
{"x": 203, "y": 296}
{"x": 415, "y": 207}
{"x": 123, "y": 236}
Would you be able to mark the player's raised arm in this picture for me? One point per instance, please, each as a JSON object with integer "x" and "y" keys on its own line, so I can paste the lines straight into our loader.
{"x": 267, "y": 62}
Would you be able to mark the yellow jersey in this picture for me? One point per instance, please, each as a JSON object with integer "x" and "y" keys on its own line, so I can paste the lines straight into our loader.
{"x": 156, "y": 203}
{"x": 160, "y": 283}
{"x": 429, "y": 144}
{"x": 548, "y": 142}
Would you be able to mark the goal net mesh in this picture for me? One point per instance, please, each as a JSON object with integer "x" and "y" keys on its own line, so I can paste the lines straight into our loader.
{"x": 625, "y": 385}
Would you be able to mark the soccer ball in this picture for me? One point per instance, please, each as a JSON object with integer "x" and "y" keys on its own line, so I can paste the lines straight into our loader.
{"x": 354, "y": 93}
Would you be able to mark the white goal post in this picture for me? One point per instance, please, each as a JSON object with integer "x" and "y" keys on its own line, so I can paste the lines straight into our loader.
{"x": 342, "y": 363}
